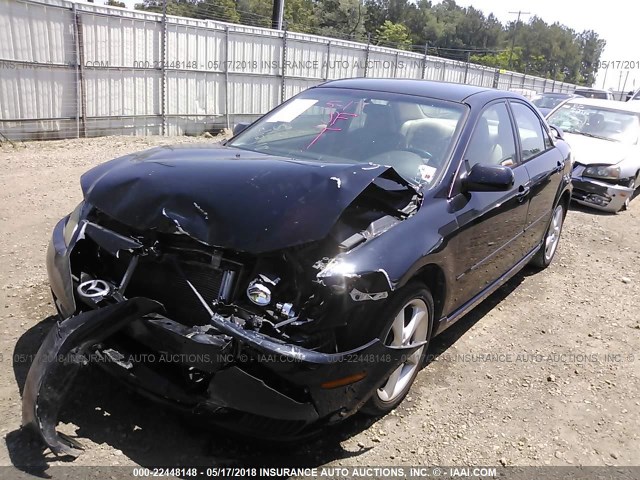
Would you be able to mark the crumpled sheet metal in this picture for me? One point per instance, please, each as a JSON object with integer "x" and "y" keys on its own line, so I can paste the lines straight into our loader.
{"x": 277, "y": 202}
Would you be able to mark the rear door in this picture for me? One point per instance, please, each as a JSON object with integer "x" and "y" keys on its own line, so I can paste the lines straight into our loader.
{"x": 544, "y": 164}
{"x": 491, "y": 224}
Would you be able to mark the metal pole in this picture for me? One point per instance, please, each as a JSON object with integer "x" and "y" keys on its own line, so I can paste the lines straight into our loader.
{"x": 77, "y": 45}
{"x": 163, "y": 66}
{"x": 366, "y": 55}
{"x": 326, "y": 65}
{"x": 606, "y": 70}
{"x": 496, "y": 78}
{"x": 515, "y": 31}
{"x": 226, "y": 75}
{"x": 284, "y": 63}
{"x": 83, "y": 92}
{"x": 395, "y": 67}
{"x": 466, "y": 67}
{"x": 277, "y": 16}
{"x": 619, "y": 80}
{"x": 424, "y": 61}
{"x": 624, "y": 86}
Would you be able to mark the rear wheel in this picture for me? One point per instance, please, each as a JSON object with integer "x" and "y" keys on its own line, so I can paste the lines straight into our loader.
{"x": 408, "y": 319}
{"x": 547, "y": 251}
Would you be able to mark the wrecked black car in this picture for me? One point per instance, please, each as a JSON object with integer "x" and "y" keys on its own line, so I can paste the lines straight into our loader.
{"x": 295, "y": 275}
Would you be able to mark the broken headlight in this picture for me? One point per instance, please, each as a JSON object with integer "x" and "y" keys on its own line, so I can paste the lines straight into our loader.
{"x": 260, "y": 290}
{"x": 602, "y": 171}
{"x": 72, "y": 223}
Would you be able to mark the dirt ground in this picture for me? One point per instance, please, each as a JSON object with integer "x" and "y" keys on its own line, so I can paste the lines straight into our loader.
{"x": 545, "y": 372}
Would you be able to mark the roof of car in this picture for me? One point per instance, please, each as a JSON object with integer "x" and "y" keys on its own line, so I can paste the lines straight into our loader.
{"x": 589, "y": 89}
{"x": 612, "y": 104}
{"x": 558, "y": 94}
{"x": 423, "y": 88}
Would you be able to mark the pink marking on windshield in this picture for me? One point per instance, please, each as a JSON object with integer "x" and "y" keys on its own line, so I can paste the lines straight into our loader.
{"x": 334, "y": 117}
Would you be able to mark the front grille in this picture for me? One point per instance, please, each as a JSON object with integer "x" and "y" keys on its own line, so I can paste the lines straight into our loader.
{"x": 165, "y": 279}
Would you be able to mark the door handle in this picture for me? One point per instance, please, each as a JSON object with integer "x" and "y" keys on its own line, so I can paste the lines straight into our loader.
{"x": 523, "y": 192}
{"x": 559, "y": 167}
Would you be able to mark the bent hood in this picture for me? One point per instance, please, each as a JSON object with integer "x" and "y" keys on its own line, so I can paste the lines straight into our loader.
{"x": 589, "y": 151}
{"x": 231, "y": 198}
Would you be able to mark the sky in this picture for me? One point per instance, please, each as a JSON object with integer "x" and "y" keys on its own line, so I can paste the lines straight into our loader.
{"x": 615, "y": 21}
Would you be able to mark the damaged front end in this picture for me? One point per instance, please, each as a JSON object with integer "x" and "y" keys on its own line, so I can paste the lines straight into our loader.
{"x": 159, "y": 292}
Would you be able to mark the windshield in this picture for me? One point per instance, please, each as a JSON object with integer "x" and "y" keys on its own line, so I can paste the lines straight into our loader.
{"x": 547, "y": 101}
{"x": 614, "y": 125}
{"x": 412, "y": 134}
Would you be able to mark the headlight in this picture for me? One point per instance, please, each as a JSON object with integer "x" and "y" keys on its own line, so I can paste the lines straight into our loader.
{"x": 72, "y": 224}
{"x": 602, "y": 171}
{"x": 259, "y": 289}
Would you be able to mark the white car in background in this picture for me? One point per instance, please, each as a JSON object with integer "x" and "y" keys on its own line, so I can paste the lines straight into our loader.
{"x": 604, "y": 138}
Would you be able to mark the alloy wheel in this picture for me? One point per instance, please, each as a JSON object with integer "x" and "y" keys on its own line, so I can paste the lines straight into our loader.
{"x": 410, "y": 326}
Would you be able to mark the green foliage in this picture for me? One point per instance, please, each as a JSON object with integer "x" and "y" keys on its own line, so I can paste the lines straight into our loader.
{"x": 115, "y": 3}
{"x": 447, "y": 29}
{"x": 393, "y": 34}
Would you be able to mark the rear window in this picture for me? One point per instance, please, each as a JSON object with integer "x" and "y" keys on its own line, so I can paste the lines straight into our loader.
{"x": 592, "y": 94}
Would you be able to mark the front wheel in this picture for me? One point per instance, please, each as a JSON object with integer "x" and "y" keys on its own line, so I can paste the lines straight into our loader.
{"x": 627, "y": 202}
{"x": 408, "y": 319}
{"x": 547, "y": 251}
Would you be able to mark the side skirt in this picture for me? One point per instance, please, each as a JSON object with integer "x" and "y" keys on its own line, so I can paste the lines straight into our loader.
{"x": 447, "y": 321}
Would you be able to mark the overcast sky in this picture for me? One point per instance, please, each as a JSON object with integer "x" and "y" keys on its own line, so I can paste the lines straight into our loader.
{"x": 616, "y": 21}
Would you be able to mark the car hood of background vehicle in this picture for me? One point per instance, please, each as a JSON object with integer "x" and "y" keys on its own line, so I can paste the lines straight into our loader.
{"x": 590, "y": 151}
{"x": 230, "y": 198}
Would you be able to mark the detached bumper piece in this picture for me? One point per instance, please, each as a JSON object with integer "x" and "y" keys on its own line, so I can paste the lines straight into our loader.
{"x": 245, "y": 381}
{"x": 57, "y": 363}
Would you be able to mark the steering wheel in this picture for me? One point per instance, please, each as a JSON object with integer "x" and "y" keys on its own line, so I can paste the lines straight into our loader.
{"x": 418, "y": 151}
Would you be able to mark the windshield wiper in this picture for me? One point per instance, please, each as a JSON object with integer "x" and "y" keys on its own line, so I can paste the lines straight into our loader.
{"x": 590, "y": 135}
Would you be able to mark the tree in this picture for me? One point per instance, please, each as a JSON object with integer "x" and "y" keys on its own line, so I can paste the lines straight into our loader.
{"x": 115, "y": 3}
{"x": 449, "y": 30}
{"x": 393, "y": 34}
{"x": 341, "y": 18}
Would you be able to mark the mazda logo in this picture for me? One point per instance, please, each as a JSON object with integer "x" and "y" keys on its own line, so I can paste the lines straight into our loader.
{"x": 94, "y": 288}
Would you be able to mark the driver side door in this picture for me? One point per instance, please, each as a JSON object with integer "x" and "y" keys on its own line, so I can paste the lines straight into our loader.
{"x": 491, "y": 224}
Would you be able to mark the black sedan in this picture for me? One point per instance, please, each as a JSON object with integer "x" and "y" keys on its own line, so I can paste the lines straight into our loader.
{"x": 296, "y": 274}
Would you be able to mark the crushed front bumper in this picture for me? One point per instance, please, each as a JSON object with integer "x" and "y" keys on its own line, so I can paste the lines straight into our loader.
{"x": 595, "y": 193}
{"x": 241, "y": 379}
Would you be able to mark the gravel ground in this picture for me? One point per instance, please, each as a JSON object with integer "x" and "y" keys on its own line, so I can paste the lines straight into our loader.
{"x": 545, "y": 372}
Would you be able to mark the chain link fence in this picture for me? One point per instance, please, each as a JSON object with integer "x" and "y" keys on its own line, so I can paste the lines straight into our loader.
{"x": 72, "y": 69}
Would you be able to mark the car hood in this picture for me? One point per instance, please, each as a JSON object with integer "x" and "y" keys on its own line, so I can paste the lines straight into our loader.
{"x": 589, "y": 151}
{"x": 231, "y": 198}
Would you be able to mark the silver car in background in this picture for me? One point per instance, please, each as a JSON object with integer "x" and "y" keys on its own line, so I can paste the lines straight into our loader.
{"x": 604, "y": 136}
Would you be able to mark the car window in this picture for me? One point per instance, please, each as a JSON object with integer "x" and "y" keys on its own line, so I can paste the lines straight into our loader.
{"x": 532, "y": 136}
{"x": 492, "y": 141}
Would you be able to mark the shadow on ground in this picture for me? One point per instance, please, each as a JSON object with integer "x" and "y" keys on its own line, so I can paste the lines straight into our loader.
{"x": 150, "y": 435}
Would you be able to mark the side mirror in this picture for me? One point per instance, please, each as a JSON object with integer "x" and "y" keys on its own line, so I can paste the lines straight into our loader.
{"x": 240, "y": 127}
{"x": 557, "y": 132}
{"x": 488, "y": 178}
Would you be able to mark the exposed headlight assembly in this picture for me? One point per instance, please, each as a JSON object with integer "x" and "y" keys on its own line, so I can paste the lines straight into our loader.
{"x": 602, "y": 171}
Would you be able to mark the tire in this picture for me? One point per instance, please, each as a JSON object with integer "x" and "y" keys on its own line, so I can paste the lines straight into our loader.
{"x": 632, "y": 185}
{"x": 547, "y": 251}
{"x": 412, "y": 299}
